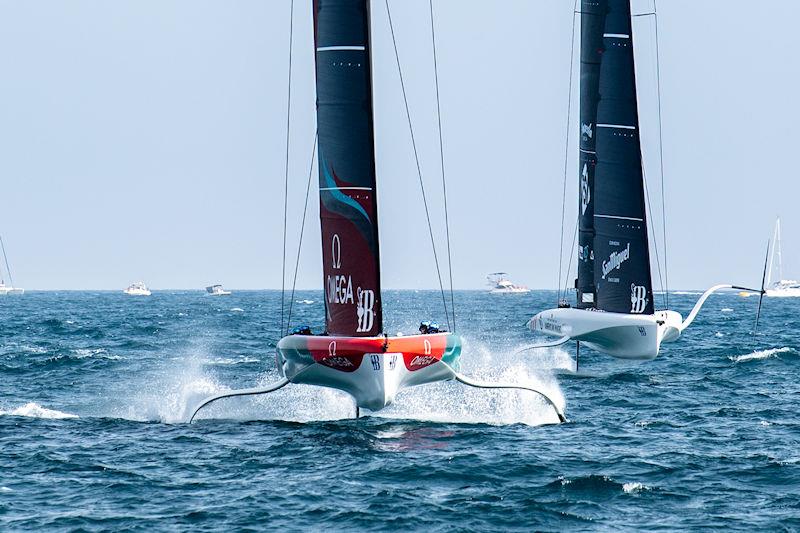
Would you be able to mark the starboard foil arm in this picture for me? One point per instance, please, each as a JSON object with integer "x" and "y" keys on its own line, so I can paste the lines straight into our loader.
{"x": 272, "y": 387}
{"x": 461, "y": 378}
{"x": 696, "y": 309}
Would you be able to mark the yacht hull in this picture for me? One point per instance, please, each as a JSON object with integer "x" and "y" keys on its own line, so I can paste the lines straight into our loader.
{"x": 634, "y": 337}
{"x": 371, "y": 369}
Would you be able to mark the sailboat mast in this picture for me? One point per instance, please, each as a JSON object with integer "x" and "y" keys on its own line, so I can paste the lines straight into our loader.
{"x": 593, "y": 16}
{"x": 5, "y": 258}
{"x": 347, "y": 174}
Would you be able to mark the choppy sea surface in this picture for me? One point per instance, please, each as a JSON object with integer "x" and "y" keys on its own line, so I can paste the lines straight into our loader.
{"x": 95, "y": 389}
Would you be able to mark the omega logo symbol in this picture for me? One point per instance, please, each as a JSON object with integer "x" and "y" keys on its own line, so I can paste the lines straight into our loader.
{"x": 336, "y": 252}
{"x": 427, "y": 347}
{"x": 332, "y": 349}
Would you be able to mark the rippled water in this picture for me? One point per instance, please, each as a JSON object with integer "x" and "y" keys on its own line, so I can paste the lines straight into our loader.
{"x": 95, "y": 389}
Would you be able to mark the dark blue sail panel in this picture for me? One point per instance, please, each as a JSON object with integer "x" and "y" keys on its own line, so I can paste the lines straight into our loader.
{"x": 622, "y": 257}
{"x": 348, "y": 209}
{"x": 593, "y": 16}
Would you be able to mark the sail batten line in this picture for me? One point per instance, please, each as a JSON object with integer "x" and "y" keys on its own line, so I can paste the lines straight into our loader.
{"x": 346, "y": 189}
{"x": 616, "y": 126}
{"x": 620, "y": 218}
{"x": 356, "y": 48}
{"x": 617, "y": 35}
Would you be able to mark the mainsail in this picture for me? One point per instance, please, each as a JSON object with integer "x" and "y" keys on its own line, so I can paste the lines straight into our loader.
{"x": 348, "y": 210}
{"x": 617, "y": 234}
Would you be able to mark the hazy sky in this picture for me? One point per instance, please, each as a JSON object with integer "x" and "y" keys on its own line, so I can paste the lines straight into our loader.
{"x": 145, "y": 139}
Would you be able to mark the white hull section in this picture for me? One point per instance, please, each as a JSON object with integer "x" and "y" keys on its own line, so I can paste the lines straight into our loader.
{"x": 620, "y": 335}
{"x": 375, "y": 383}
{"x": 617, "y": 334}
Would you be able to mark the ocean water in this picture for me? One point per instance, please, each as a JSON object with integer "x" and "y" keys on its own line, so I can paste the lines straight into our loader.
{"x": 95, "y": 389}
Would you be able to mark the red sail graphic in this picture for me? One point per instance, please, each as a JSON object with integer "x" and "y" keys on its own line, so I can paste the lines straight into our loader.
{"x": 348, "y": 209}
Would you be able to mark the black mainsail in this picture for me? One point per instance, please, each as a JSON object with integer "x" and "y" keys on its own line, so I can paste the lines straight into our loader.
{"x": 613, "y": 225}
{"x": 348, "y": 210}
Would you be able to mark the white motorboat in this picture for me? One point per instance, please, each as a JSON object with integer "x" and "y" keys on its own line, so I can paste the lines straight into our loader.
{"x": 500, "y": 284}
{"x": 781, "y": 288}
{"x": 6, "y": 290}
{"x": 615, "y": 309}
{"x": 137, "y": 289}
{"x": 216, "y": 290}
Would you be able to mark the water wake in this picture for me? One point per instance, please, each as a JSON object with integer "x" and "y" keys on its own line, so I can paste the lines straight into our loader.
{"x": 757, "y": 355}
{"x": 34, "y": 410}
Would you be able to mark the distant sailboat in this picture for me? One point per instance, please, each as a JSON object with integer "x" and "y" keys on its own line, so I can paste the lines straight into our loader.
{"x": 615, "y": 310}
{"x": 355, "y": 354}
{"x": 137, "y": 289}
{"x": 7, "y": 289}
{"x": 781, "y": 288}
{"x": 216, "y": 290}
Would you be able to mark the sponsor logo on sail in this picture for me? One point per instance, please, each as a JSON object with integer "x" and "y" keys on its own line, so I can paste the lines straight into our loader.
{"x": 365, "y": 310}
{"x": 615, "y": 260}
{"x": 336, "y": 252}
{"x": 638, "y": 298}
{"x": 586, "y": 194}
{"x": 340, "y": 290}
{"x": 585, "y": 254}
{"x": 586, "y": 130}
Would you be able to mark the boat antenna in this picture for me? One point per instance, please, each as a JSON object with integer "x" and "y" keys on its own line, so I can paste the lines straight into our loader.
{"x": 441, "y": 157}
{"x": 5, "y": 258}
{"x": 763, "y": 291}
{"x": 286, "y": 168}
{"x": 416, "y": 158}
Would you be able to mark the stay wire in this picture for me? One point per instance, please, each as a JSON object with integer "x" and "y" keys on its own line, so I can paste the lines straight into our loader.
{"x": 661, "y": 155}
{"x": 286, "y": 169}
{"x": 441, "y": 156}
{"x": 566, "y": 155}
{"x": 416, "y": 158}
{"x": 302, "y": 228}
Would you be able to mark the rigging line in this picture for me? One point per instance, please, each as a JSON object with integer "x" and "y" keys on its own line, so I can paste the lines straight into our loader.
{"x": 302, "y": 228}
{"x": 661, "y": 156}
{"x": 571, "y": 253}
{"x": 286, "y": 169}
{"x": 566, "y": 157}
{"x": 416, "y": 158}
{"x": 441, "y": 156}
{"x": 652, "y": 227}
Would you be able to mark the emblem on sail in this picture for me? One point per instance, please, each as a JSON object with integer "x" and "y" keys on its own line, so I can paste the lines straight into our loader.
{"x": 586, "y": 194}
{"x": 365, "y": 311}
{"x": 638, "y": 298}
{"x": 586, "y": 130}
{"x": 615, "y": 260}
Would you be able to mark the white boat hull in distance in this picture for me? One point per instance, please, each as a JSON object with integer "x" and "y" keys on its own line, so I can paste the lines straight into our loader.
{"x": 784, "y": 288}
{"x": 6, "y": 291}
{"x": 515, "y": 290}
{"x": 217, "y": 290}
{"x": 137, "y": 289}
{"x": 635, "y": 337}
